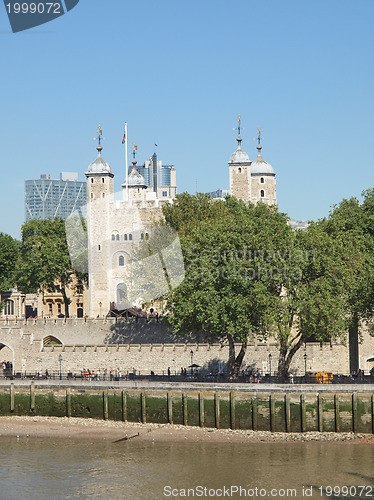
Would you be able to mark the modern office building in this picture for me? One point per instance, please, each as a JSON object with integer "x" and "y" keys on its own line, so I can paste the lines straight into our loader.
{"x": 46, "y": 198}
{"x": 159, "y": 178}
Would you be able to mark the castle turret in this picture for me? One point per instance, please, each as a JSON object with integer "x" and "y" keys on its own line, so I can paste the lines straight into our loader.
{"x": 263, "y": 181}
{"x": 99, "y": 195}
{"x": 240, "y": 174}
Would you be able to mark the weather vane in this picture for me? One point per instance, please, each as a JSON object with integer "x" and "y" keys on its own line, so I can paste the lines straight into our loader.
{"x": 238, "y": 128}
{"x": 134, "y": 149}
{"x": 99, "y": 135}
{"x": 259, "y": 136}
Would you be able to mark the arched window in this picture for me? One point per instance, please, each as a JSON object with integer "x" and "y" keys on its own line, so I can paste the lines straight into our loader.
{"x": 262, "y": 193}
{"x": 91, "y": 195}
{"x": 103, "y": 195}
{"x": 113, "y": 237}
{"x": 117, "y": 237}
{"x": 130, "y": 236}
{"x": 121, "y": 293}
{"x": 121, "y": 260}
{"x": 125, "y": 235}
{"x": 239, "y": 170}
{"x": 9, "y": 308}
{"x": 142, "y": 236}
{"x": 262, "y": 180}
{"x": 91, "y": 180}
{"x": 103, "y": 179}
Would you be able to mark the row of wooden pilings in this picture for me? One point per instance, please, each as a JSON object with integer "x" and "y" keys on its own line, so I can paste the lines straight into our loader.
{"x": 217, "y": 413}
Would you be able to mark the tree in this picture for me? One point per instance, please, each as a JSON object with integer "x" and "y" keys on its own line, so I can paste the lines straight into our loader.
{"x": 44, "y": 262}
{"x": 248, "y": 273}
{"x": 232, "y": 256}
{"x": 9, "y": 252}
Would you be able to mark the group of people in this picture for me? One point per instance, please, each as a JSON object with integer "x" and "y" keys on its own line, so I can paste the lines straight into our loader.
{"x": 105, "y": 375}
{"x": 7, "y": 367}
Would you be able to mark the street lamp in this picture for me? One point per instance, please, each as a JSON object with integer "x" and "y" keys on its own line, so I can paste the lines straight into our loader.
{"x": 191, "y": 352}
{"x": 305, "y": 357}
{"x": 270, "y": 368}
{"x": 100, "y": 304}
{"x": 60, "y": 360}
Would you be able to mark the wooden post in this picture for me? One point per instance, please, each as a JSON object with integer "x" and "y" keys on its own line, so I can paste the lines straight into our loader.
{"x": 32, "y": 396}
{"x": 216, "y": 410}
{"x": 170, "y": 408}
{"x": 143, "y": 408}
{"x": 68, "y": 402}
{"x": 124, "y": 406}
{"x": 201, "y": 409}
{"x": 106, "y": 406}
{"x": 287, "y": 407}
{"x": 337, "y": 412}
{"x": 232, "y": 410}
{"x": 184, "y": 405}
{"x": 254, "y": 414}
{"x": 302, "y": 413}
{"x": 320, "y": 412}
{"x": 354, "y": 412}
{"x": 12, "y": 397}
{"x": 272, "y": 412}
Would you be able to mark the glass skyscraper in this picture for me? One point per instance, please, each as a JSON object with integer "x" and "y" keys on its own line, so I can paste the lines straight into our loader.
{"x": 46, "y": 198}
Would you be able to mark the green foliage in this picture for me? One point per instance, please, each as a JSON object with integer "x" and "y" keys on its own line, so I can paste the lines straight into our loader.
{"x": 248, "y": 273}
{"x": 44, "y": 261}
{"x": 9, "y": 253}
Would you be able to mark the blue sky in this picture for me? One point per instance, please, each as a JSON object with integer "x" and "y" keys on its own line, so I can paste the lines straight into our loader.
{"x": 179, "y": 72}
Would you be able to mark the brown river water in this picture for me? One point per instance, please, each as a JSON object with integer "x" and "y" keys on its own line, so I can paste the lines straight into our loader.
{"x": 130, "y": 470}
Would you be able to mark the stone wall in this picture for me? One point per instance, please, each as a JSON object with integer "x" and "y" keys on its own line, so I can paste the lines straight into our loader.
{"x": 145, "y": 346}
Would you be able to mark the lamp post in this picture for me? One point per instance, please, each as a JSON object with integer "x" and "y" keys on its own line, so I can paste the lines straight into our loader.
{"x": 270, "y": 368}
{"x": 305, "y": 358}
{"x": 60, "y": 360}
{"x": 100, "y": 304}
{"x": 191, "y": 352}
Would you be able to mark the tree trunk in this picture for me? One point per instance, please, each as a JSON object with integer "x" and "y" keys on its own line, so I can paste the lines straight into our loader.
{"x": 283, "y": 362}
{"x": 235, "y": 362}
{"x": 66, "y": 301}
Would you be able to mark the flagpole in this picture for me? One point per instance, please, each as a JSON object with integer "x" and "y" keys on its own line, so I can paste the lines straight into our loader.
{"x": 127, "y": 166}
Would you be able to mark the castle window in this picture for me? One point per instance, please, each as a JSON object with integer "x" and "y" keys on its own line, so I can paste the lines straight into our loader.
{"x": 121, "y": 260}
{"x": 117, "y": 237}
{"x": 113, "y": 237}
{"x": 239, "y": 170}
{"x": 91, "y": 180}
{"x": 99, "y": 248}
{"x": 103, "y": 195}
{"x": 58, "y": 308}
{"x": 142, "y": 236}
{"x": 9, "y": 308}
{"x": 262, "y": 180}
{"x": 125, "y": 235}
{"x": 50, "y": 308}
{"x": 103, "y": 179}
{"x": 130, "y": 236}
{"x": 91, "y": 195}
{"x": 262, "y": 193}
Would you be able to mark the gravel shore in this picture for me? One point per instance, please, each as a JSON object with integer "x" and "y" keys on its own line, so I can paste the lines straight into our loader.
{"x": 107, "y": 430}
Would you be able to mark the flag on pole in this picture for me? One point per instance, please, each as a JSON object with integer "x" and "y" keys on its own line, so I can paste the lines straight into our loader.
{"x": 124, "y": 138}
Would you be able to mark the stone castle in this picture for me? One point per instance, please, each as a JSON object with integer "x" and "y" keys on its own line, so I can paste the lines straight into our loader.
{"x": 114, "y": 227}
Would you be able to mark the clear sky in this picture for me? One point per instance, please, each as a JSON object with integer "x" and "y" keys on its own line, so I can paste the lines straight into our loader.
{"x": 179, "y": 72}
